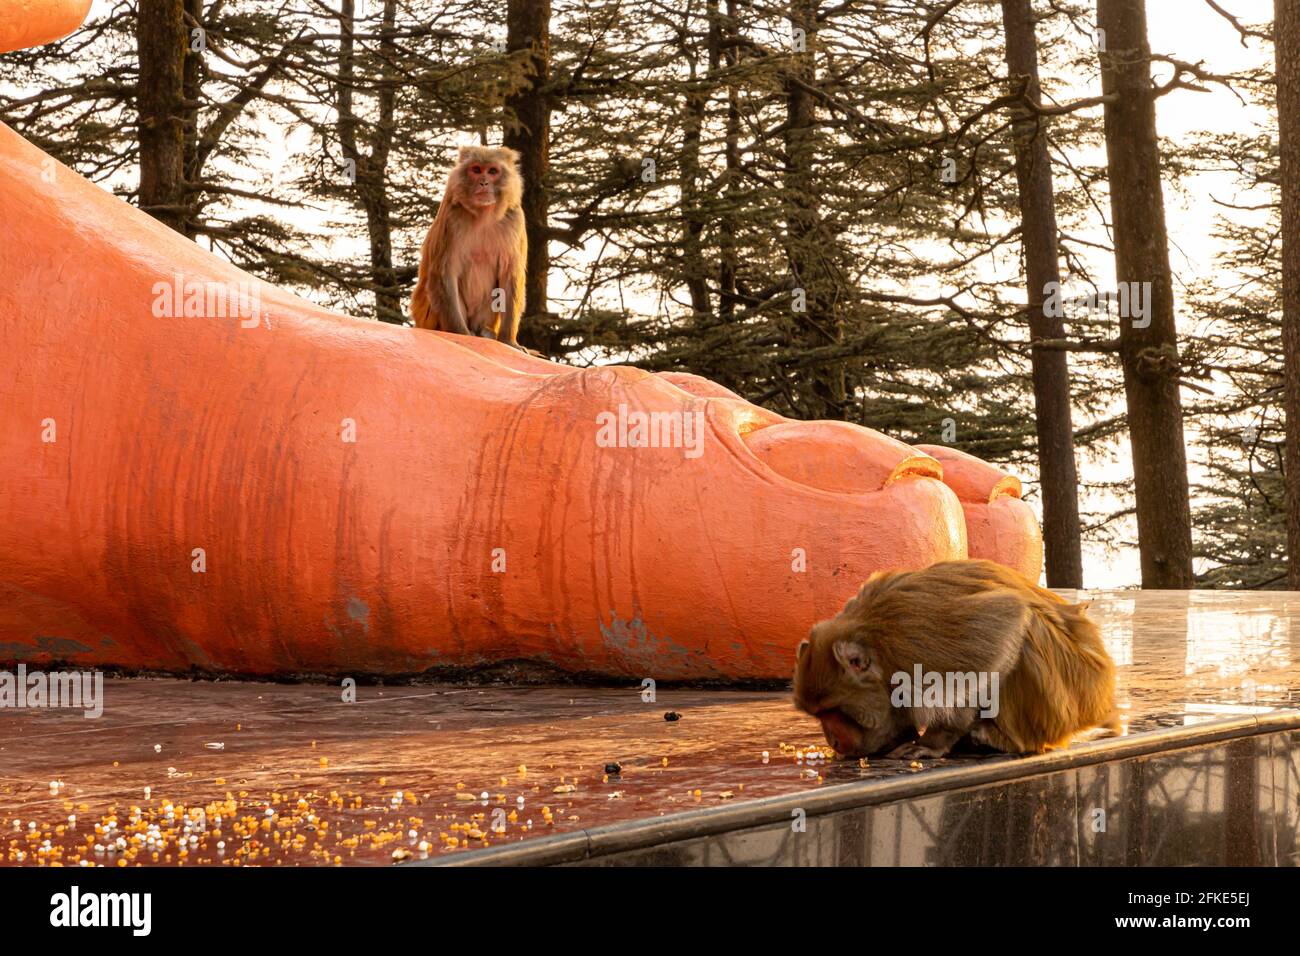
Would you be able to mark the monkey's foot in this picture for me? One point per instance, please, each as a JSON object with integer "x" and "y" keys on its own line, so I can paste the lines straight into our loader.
{"x": 203, "y": 471}
{"x": 526, "y": 350}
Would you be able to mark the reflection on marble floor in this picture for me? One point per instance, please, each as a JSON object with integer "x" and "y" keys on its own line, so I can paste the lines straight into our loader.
{"x": 1189, "y": 656}
{"x": 1231, "y": 804}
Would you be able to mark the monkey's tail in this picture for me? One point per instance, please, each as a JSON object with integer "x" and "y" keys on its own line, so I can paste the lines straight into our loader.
{"x": 420, "y": 308}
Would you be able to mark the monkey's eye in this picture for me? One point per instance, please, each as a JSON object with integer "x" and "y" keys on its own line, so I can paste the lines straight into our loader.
{"x": 476, "y": 170}
{"x": 492, "y": 170}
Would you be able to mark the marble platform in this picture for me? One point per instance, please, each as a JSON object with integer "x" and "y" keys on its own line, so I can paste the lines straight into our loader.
{"x": 1207, "y": 771}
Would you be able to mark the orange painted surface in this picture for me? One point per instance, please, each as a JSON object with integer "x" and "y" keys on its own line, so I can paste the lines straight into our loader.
{"x": 999, "y": 526}
{"x": 27, "y": 23}
{"x": 475, "y": 518}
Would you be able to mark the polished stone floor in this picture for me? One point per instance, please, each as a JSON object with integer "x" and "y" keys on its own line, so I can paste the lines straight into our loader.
{"x": 1231, "y": 802}
{"x": 233, "y": 773}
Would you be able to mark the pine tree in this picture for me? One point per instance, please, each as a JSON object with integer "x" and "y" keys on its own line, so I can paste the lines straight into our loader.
{"x": 1148, "y": 342}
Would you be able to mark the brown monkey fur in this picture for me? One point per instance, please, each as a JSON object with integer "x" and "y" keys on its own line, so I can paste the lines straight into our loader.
{"x": 476, "y": 245}
{"x": 1055, "y": 677}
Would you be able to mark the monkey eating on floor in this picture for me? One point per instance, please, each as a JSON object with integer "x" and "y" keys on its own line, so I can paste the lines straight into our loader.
{"x": 471, "y": 278}
{"x": 1044, "y": 659}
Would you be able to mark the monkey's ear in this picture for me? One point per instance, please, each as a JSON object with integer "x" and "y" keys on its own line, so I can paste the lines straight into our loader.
{"x": 803, "y": 647}
{"x": 512, "y": 154}
{"x": 857, "y": 663}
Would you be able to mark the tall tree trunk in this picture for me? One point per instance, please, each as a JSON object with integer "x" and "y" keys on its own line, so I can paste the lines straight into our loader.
{"x": 528, "y": 130}
{"x": 693, "y": 260}
{"x": 372, "y": 168}
{"x": 1057, "y": 472}
{"x": 809, "y": 248}
{"x": 161, "y": 43}
{"x": 1286, "y": 46}
{"x": 192, "y": 85}
{"x": 718, "y": 31}
{"x": 388, "y": 295}
{"x": 1149, "y": 354}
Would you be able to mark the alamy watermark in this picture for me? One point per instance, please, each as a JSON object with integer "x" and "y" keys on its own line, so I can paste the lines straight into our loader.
{"x": 133, "y": 911}
{"x": 1132, "y": 300}
{"x": 638, "y": 429}
{"x": 199, "y": 299}
{"x": 946, "y": 690}
{"x": 76, "y": 690}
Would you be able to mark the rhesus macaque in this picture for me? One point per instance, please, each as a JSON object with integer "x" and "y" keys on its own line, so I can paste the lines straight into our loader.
{"x": 472, "y": 262}
{"x": 956, "y": 617}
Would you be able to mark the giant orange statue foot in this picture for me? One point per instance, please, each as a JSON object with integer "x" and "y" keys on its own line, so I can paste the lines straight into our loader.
{"x": 203, "y": 471}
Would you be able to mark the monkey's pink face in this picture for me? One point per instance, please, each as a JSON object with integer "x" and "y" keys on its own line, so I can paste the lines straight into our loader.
{"x": 836, "y": 681}
{"x": 484, "y": 183}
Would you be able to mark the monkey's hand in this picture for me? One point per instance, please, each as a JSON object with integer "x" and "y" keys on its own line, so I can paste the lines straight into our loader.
{"x": 936, "y": 743}
{"x": 915, "y": 751}
{"x": 452, "y": 308}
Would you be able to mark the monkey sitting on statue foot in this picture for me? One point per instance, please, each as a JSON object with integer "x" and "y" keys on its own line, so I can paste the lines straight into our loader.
{"x": 471, "y": 278}
{"x": 961, "y": 651}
